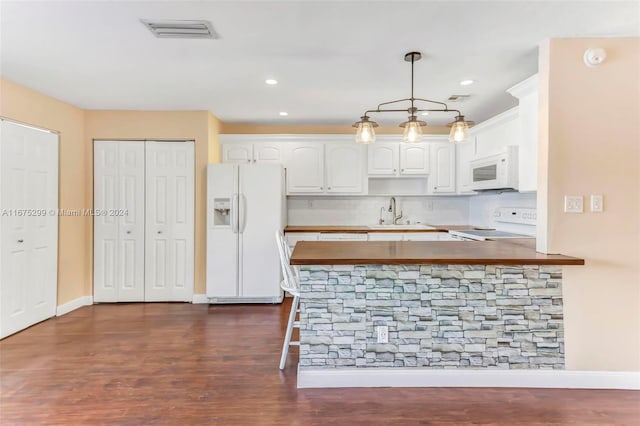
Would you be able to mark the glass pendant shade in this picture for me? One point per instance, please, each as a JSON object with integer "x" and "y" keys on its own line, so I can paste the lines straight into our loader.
{"x": 412, "y": 130}
{"x": 364, "y": 131}
{"x": 459, "y": 130}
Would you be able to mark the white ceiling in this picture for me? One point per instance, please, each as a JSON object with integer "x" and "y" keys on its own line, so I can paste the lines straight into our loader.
{"x": 334, "y": 59}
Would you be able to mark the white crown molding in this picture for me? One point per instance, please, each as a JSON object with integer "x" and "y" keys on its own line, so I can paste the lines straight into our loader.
{"x": 496, "y": 120}
{"x": 73, "y": 305}
{"x": 424, "y": 377}
{"x": 524, "y": 88}
{"x": 292, "y": 138}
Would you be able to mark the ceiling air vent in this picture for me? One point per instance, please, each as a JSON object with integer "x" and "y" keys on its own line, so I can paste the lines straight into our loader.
{"x": 181, "y": 29}
{"x": 458, "y": 98}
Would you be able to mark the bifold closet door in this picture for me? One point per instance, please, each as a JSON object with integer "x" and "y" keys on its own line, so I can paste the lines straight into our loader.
{"x": 28, "y": 226}
{"x": 169, "y": 253}
{"x": 118, "y": 230}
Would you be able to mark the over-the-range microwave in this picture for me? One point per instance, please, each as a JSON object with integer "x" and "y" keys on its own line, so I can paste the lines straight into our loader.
{"x": 498, "y": 171}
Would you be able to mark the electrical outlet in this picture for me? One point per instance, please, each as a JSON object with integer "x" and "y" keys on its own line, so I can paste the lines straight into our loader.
{"x": 573, "y": 204}
{"x": 597, "y": 204}
{"x": 383, "y": 333}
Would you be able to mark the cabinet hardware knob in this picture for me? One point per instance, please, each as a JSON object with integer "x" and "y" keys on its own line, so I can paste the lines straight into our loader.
{"x": 328, "y": 187}
{"x": 21, "y": 241}
{"x": 159, "y": 232}
{"x": 395, "y": 170}
{"x": 402, "y": 170}
{"x": 321, "y": 188}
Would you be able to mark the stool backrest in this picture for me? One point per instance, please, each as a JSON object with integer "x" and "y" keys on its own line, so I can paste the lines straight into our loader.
{"x": 290, "y": 273}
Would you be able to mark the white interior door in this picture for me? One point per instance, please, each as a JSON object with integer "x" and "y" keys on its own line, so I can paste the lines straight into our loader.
{"x": 261, "y": 215}
{"x": 28, "y": 226}
{"x": 119, "y": 229}
{"x": 169, "y": 257}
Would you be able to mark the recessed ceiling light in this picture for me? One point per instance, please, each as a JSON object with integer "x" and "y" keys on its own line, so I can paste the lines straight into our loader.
{"x": 284, "y": 113}
{"x": 466, "y": 82}
{"x": 271, "y": 82}
{"x": 425, "y": 113}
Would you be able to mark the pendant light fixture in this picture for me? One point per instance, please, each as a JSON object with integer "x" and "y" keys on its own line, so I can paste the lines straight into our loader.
{"x": 412, "y": 127}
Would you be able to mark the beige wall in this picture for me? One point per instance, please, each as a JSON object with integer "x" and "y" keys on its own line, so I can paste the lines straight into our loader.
{"x": 230, "y": 128}
{"x": 591, "y": 145}
{"x": 214, "y": 139}
{"x": 25, "y": 105}
{"x": 186, "y": 125}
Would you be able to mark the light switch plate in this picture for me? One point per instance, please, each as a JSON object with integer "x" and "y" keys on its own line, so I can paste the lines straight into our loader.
{"x": 597, "y": 203}
{"x": 573, "y": 204}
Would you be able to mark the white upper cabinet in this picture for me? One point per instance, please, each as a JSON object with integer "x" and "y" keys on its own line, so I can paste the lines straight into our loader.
{"x": 398, "y": 159}
{"x": 345, "y": 170}
{"x": 237, "y": 153}
{"x": 414, "y": 159}
{"x": 383, "y": 159}
{"x": 442, "y": 179}
{"x": 305, "y": 167}
{"x": 268, "y": 153}
{"x": 527, "y": 94}
{"x": 247, "y": 152}
{"x": 464, "y": 154}
{"x": 495, "y": 134}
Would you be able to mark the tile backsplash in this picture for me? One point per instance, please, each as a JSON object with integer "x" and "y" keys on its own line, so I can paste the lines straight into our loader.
{"x": 366, "y": 210}
{"x": 475, "y": 210}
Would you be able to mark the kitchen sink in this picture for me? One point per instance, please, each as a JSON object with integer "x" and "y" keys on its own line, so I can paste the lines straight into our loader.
{"x": 414, "y": 226}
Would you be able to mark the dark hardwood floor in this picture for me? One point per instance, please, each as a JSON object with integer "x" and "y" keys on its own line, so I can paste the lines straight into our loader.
{"x": 186, "y": 364}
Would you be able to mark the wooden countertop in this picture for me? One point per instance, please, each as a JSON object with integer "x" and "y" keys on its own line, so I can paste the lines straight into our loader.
{"x": 501, "y": 252}
{"x": 366, "y": 229}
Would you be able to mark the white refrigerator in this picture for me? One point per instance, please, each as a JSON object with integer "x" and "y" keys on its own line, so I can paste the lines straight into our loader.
{"x": 245, "y": 208}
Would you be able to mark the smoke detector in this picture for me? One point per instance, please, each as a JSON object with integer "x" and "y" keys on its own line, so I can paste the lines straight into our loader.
{"x": 181, "y": 29}
{"x": 458, "y": 98}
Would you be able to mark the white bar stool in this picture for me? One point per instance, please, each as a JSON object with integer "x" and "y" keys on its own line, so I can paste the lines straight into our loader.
{"x": 290, "y": 284}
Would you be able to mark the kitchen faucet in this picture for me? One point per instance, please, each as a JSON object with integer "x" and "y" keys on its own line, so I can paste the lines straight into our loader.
{"x": 392, "y": 209}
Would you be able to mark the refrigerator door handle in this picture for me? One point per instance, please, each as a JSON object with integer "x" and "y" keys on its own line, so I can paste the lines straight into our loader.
{"x": 242, "y": 213}
{"x": 234, "y": 213}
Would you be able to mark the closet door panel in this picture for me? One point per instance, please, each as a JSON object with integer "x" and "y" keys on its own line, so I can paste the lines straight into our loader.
{"x": 169, "y": 259}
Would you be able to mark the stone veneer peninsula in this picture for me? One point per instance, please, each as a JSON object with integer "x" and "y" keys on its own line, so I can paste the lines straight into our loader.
{"x": 481, "y": 305}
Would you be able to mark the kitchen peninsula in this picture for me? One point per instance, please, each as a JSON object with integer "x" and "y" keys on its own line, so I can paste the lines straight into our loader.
{"x": 400, "y": 313}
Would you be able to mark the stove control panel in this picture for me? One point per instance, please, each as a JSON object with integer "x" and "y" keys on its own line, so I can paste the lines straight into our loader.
{"x": 516, "y": 215}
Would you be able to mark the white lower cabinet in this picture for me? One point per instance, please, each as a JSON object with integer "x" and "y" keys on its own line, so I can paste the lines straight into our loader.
{"x": 352, "y": 236}
{"x": 28, "y": 226}
{"x": 385, "y": 236}
{"x": 143, "y": 244}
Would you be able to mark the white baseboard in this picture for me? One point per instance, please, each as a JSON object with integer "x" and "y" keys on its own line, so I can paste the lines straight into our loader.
{"x": 414, "y": 377}
{"x": 200, "y": 298}
{"x": 73, "y": 305}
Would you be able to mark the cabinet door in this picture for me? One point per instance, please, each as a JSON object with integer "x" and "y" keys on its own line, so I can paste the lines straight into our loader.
{"x": 385, "y": 236}
{"x": 237, "y": 153}
{"x": 424, "y": 236}
{"x": 464, "y": 155}
{"x": 528, "y": 151}
{"x": 267, "y": 153}
{"x": 344, "y": 168}
{"x": 305, "y": 168}
{"x": 414, "y": 159}
{"x": 383, "y": 159}
{"x": 442, "y": 179}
